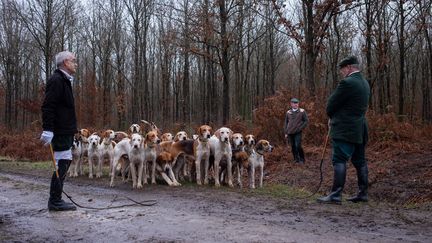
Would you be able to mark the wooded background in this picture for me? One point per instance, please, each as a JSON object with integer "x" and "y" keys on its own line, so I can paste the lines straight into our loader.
{"x": 210, "y": 61}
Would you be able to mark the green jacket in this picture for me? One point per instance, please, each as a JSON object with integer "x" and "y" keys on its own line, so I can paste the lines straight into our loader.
{"x": 347, "y": 107}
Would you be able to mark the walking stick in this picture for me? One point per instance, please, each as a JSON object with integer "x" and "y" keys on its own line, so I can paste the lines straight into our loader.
{"x": 53, "y": 160}
{"x": 321, "y": 164}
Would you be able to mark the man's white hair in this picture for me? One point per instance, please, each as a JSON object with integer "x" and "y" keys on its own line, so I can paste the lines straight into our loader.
{"x": 61, "y": 57}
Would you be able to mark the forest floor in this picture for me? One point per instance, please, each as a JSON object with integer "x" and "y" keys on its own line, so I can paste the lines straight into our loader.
{"x": 278, "y": 212}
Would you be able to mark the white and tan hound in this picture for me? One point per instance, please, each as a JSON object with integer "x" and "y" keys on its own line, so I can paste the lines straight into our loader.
{"x": 256, "y": 159}
{"x": 150, "y": 142}
{"x": 198, "y": 148}
{"x": 220, "y": 147}
{"x": 164, "y": 167}
{"x": 94, "y": 155}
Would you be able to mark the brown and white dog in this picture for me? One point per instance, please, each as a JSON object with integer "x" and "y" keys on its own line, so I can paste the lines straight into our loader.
{"x": 167, "y": 137}
{"x": 135, "y": 128}
{"x": 239, "y": 158}
{"x": 164, "y": 167}
{"x": 150, "y": 142}
{"x": 106, "y": 148}
{"x": 84, "y": 134}
{"x": 198, "y": 148}
{"x": 256, "y": 159}
{"x": 182, "y": 135}
{"x": 220, "y": 147}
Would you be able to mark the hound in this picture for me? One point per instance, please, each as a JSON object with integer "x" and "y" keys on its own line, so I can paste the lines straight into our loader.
{"x": 239, "y": 158}
{"x": 198, "y": 148}
{"x": 76, "y": 157}
{"x": 167, "y": 137}
{"x": 94, "y": 155}
{"x": 106, "y": 149}
{"x": 182, "y": 135}
{"x": 256, "y": 159}
{"x": 83, "y": 137}
{"x": 220, "y": 147}
{"x": 134, "y": 148}
{"x": 135, "y": 128}
{"x": 136, "y": 156}
{"x": 249, "y": 142}
{"x": 164, "y": 167}
{"x": 150, "y": 142}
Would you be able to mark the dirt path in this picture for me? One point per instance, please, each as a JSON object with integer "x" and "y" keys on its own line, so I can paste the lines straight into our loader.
{"x": 193, "y": 214}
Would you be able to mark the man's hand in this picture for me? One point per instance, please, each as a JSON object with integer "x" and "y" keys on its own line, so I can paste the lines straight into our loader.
{"x": 46, "y": 137}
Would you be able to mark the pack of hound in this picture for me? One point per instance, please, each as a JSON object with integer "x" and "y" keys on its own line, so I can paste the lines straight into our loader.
{"x": 141, "y": 155}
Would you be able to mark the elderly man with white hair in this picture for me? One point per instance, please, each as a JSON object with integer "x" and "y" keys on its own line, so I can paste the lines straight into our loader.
{"x": 59, "y": 124}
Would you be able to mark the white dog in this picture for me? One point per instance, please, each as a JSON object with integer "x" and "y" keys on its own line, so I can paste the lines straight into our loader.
{"x": 94, "y": 155}
{"x": 220, "y": 147}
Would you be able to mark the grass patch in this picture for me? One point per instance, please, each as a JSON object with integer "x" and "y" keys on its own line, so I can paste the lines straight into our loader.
{"x": 280, "y": 191}
{"x": 41, "y": 165}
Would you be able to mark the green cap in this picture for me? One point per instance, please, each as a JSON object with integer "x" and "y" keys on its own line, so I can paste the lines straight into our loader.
{"x": 295, "y": 100}
{"x": 348, "y": 61}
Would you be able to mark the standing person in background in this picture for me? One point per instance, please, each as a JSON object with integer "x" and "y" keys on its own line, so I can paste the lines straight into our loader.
{"x": 295, "y": 121}
{"x": 59, "y": 124}
{"x": 346, "y": 109}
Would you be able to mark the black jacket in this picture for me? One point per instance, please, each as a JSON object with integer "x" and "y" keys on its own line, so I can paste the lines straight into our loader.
{"x": 58, "y": 108}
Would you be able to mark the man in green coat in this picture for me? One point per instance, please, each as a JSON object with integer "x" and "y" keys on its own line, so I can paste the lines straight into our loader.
{"x": 346, "y": 109}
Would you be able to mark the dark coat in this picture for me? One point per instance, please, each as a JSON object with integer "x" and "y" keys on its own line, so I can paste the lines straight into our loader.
{"x": 347, "y": 107}
{"x": 58, "y": 108}
{"x": 295, "y": 121}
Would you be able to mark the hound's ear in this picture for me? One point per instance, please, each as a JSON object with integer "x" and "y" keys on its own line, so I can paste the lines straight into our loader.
{"x": 259, "y": 145}
{"x": 231, "y": 133}
{"x": 217, "y": 133}
{"x": 198, "y": 131}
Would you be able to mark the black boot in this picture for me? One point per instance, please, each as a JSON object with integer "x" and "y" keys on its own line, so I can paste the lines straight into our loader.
{"x": 362, "y": 179}
{"x": 55, "y": 202}
{"x": 335, "y": 196}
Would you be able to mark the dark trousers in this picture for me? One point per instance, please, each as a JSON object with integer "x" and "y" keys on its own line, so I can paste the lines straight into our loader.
{"x": 342, "y": 152}
{"x": 56, "y": 187}
{"x": 60, "y": 143}
{"x": 296, "y": 148}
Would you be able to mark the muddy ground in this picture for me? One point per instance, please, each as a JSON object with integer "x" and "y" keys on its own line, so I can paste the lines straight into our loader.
{"x": 193, "y": 214}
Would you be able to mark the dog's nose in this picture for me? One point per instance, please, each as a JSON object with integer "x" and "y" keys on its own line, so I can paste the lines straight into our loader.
{"x": 158, "y": 141}
{"x": 208, "y": 136}
{"x": 184, "y": 138}
{"x": 226, "y": 139}
{"x": 135, "y": 146}
{"x": 241, "y": 142}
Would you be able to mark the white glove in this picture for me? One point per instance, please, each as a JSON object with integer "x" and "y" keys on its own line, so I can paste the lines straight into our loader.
{"x": 46, "y": 137}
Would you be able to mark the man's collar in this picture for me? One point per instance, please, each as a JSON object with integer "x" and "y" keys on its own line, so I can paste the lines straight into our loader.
{"x": 357, "y": 71}
{"x": 68, "y": 76}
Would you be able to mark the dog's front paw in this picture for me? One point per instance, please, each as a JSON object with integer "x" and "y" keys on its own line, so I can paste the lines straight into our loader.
{"x": 91, "y": 176}
{"x": 206, "y": 182}
{"x": 199, "y": 182}
{"x": 230, "y": 184}
{"x": 252, "y": 186}
{"x": 112, "y": 184}
{"x": 140, "y": 186}
{"x": 217, "y": 184}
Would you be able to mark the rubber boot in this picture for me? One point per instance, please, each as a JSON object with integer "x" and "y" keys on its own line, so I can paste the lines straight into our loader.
{"x": 335, "y": 196}
{"x": 55, "y": 202}
{"x": 362, "y": 180}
